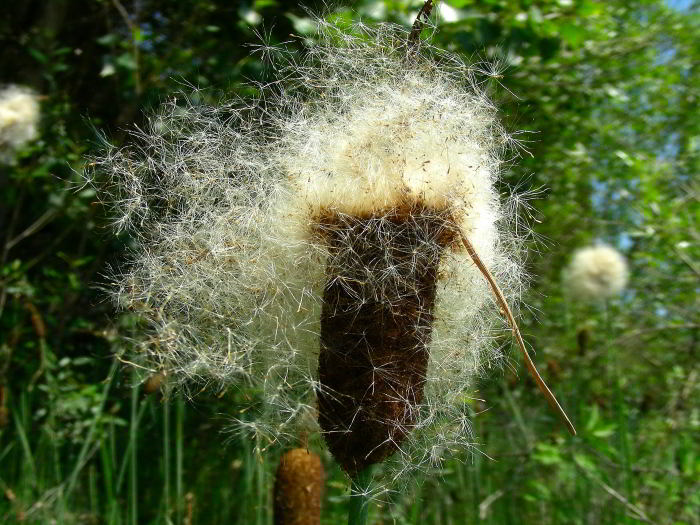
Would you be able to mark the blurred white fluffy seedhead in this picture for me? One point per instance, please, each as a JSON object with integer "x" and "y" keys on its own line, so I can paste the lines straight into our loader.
{"x": 19, "y": 120}
{"x": 596, "y": 273}
{"x": 223, "y": 202}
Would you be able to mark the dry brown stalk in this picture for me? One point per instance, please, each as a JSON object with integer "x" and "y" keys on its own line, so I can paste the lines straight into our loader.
{"x": 553, "y": 403}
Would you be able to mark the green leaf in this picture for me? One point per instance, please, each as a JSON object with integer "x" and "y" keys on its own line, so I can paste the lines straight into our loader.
{"x": 459, "y": 3}
{"x": 574, "y": 35}
{"x": 107, "y": 40}
{"x": 604, "y": 431}
{"x": 585, "y": 462}
{"x": 126, "y": 60}
{"x": 547, "y": 454}
{"x": 589, "y": 8}
{"x": 137, "y": 34}
{"x": 593, "y": 419}
{"x": 302, "y": 25}
{"x": 262, "y": 4}
{"x": 535, "y": 15}
{"x": 38, "y": 55}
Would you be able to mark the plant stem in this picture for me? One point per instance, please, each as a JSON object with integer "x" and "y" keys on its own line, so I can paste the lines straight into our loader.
{"x": 260, "y": 487}
{"x": 553, "y": 403}
{"x": 133, "y": 440}
{"x": 179, "y": 455}
{"x": 619, "y": 408}
{"x": 359, "y": 504}
{"x": 166, "y": 458}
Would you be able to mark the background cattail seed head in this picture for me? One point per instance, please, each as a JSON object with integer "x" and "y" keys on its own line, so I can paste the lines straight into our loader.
{"x": 596, "y": 273}
{"x": 19, "y": 119}
{"x": 298, "y": 488}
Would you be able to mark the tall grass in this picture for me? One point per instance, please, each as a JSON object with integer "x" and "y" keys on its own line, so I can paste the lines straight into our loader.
{"x": 148, "y": 460}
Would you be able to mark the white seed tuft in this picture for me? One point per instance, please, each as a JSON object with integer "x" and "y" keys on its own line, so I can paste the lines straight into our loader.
{"x": 19, "y": 120}
{"x": 596, "y": 273}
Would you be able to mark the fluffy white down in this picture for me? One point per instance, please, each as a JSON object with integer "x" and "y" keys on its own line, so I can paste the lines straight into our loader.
{"x": 19, "y": 119}
{"x": 222, "y": 203}
{"x": 400, "y": 139}
{"x": 595, "y": 273}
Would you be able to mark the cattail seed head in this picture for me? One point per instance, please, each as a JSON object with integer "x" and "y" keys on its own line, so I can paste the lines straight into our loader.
{"x": 298, "y": 488}
{"x": 596, "y": 273}
{"x": 309, "y": 245}
{"x": 19, "y": 120}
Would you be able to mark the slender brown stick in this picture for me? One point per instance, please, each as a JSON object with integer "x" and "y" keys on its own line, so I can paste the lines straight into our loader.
{"x": 417, "y": 27}
{"x": 553, "y": 403}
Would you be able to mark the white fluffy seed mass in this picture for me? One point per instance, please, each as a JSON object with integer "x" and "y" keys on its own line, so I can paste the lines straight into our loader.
{"x": 223, "y": 203}
{"x": 596, "y": 273}
{"x": 19, "y": 119}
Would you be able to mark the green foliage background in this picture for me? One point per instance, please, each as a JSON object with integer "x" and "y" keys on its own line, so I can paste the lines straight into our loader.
{"x": 608, "y": 93}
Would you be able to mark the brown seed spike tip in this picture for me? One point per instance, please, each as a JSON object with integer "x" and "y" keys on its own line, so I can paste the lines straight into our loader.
{"x": 376, "y": 323}
{"x": 298, "y": 487}
{"x": 154, "y": 383}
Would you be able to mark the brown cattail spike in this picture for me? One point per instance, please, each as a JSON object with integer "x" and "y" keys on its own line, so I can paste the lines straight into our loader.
{"x": 298, "y": 488}
{"x": 376, "y": 323}
{"x": 154, "y": 383}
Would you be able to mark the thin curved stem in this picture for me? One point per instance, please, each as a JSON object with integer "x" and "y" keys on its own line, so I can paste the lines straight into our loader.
{"x": 553, "y": 403}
